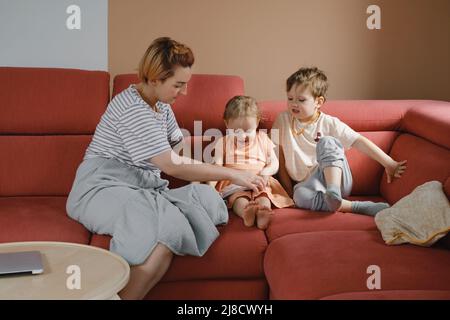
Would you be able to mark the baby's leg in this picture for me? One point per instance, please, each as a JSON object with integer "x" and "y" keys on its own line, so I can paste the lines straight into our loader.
{"x": 246, "y": 210}
{"x": 264, "y": 213}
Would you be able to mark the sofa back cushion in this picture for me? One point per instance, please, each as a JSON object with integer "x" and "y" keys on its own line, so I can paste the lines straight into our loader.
{"x": 46, "y": 101}
{"x": 426, "y": 162}
{"x": 426, "y": 146}
{"x": 360, "y": 115}
{"x": 429, "y": 120}
{"x": 47, "y": 118}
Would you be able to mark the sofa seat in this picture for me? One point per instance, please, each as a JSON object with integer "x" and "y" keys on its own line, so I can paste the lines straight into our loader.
{"x": 293, "y": 220}
{"x": 236, "y": 254}
{"x": 315, "y": 265}
{"x": 39, "y": 219}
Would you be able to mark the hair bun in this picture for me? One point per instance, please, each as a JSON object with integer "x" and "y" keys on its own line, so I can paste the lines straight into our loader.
{"x": 179, "y": 49}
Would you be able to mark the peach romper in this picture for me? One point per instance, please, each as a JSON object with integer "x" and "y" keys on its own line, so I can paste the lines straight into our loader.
{"x": 251, "y": 156}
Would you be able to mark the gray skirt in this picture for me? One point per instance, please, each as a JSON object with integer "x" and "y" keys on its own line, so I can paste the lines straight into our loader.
{"x": 137, "y": 209}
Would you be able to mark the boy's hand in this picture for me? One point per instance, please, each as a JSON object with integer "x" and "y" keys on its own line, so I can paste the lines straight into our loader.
{"x": 395, "y": 170}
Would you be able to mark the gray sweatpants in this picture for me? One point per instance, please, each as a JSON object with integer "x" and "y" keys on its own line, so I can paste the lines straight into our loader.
{"x": 309, "y": 194}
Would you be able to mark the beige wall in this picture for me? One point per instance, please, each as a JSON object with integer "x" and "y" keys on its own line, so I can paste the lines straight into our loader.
{"x": 264, "y": 41}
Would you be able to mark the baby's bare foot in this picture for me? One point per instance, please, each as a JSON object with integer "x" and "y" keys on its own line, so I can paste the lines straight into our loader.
{"x": 249, "y": 213}
{"x": 263, "y": 217}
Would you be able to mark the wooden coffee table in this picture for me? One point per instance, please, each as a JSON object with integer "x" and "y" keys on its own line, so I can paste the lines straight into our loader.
{"x": 102, "y": 273}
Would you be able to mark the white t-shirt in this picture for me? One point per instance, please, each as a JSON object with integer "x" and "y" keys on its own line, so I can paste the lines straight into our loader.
{"x": 300, "y": 150}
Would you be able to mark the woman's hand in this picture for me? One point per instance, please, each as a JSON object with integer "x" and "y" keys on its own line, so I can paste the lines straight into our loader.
{"x": 395, "y": 170}
{"x": 247, "y": 179}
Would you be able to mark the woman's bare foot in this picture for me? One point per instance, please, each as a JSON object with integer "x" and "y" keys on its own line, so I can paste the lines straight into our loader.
{"x": 249, "y": 213}
{"x": 263, "y": 217}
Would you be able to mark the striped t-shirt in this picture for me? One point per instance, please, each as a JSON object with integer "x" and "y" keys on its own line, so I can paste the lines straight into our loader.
{"x": 132, "y": 132}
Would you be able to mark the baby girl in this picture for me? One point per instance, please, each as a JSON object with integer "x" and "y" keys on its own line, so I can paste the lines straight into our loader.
{"x": 243, "y": 148}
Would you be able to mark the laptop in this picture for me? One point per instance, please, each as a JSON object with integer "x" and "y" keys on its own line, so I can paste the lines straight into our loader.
{"x": 21, "y": 262}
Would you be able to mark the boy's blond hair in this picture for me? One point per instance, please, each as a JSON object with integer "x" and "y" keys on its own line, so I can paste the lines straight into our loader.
{"x": 161, "y": 57}
{"x": 312, "y": 78}
{"x": 241, "y": 106}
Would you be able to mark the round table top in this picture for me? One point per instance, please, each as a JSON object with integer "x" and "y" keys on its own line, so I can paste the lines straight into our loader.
{"x": 101, "y": 273}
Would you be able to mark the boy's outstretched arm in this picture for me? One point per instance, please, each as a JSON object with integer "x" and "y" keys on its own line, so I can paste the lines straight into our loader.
{"x": 393, "y": 168}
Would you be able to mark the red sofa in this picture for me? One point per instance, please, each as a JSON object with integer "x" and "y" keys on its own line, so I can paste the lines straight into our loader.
{"x": 48, "y": 116}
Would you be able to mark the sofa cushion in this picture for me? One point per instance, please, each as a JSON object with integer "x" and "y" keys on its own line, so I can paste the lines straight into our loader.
{"x": 429, "y": 120}
{"x": 320, "y": 264}
{"x": 366, "y": 172}
{"x": 293, "y": 220}
{"x": 237, "y": 253}
{"x": 426, "y": 162}
{"x": 39, "y": 219}
{"x": 40, "y": 165}
{"x": 51, "y": 100}
{"x": 40, "y": 155}
{"x": 204, "y": 103}
{"x": 361, "y": 115}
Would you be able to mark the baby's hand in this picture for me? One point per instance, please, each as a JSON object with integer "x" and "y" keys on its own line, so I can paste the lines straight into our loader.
{"x": 395, "y": 170}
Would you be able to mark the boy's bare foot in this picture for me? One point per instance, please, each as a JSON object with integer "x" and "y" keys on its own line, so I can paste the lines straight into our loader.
{"x": 263, "y": 217}
{"x": 249, "y": 213}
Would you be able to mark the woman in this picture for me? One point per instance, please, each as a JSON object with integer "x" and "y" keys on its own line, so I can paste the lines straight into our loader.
{"x": 118, "y": 189}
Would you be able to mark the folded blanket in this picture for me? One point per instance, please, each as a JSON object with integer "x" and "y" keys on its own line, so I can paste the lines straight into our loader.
{"x": 421, "y": 218}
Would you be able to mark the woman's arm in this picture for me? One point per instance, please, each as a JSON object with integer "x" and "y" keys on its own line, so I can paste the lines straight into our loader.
{"x": 218, "y": 159}
{"x": 393, "y": 168}
{"x": 283, "y": 175}
{"x": 192, "y": 170}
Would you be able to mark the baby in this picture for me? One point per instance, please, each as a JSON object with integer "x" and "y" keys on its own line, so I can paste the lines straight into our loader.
{"x": 312, "y": 146}
{"x": 243, "y": 148}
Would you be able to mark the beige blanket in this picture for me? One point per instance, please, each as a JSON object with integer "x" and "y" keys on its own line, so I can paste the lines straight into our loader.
{"x": 421, "y": 218}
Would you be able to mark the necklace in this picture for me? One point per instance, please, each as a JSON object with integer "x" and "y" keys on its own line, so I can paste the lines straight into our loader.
{"x": 302, "y": 129}
{"x": 146, "y": 100}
